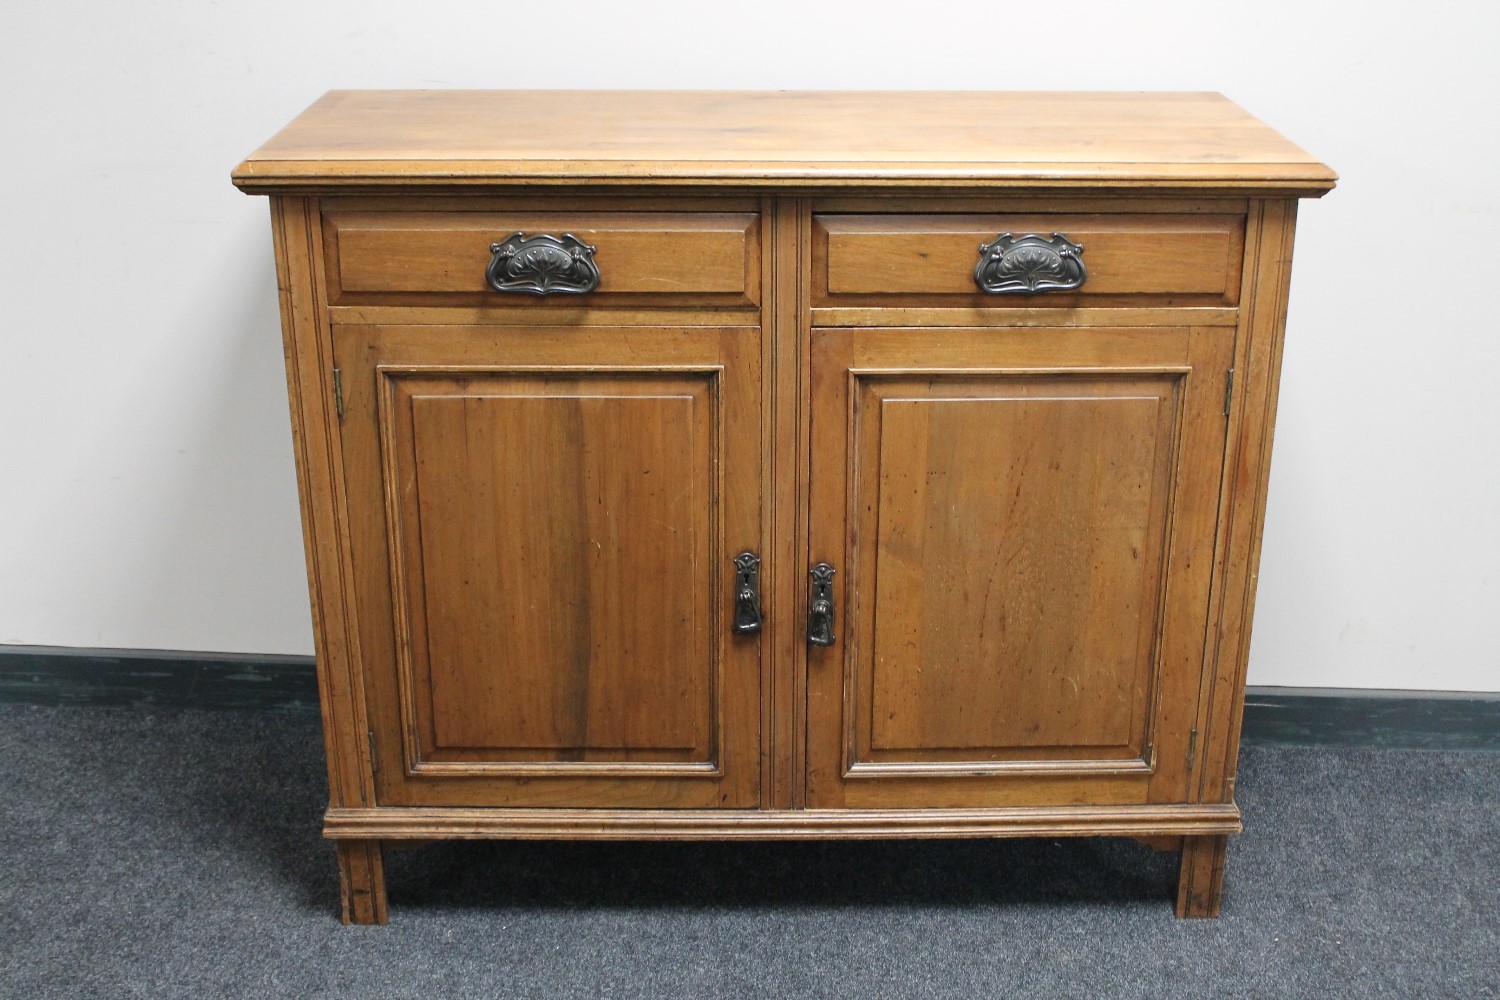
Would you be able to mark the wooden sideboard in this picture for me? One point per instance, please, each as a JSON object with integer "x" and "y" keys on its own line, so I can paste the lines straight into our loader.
{"x": 781, "y": 465}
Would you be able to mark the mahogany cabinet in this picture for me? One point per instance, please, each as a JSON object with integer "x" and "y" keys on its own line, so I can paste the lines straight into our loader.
{"x": 781, "y": 465}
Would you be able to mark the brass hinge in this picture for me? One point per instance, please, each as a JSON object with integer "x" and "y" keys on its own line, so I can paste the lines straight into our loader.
{"x": 1228, "y": 389}
{"x": 1192, "y": 748}
{"x": 338, "y": 392}
{"x": 374, "y": 758}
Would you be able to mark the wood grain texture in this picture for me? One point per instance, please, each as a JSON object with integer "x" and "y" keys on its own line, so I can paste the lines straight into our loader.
{"x": 783, "y": 641}
{"x": 779, "y": 137}
{"x": 548, "y": 518}
{"x": 540, "y": 504}
{"x": 1015, "y": 530}
{"x": 863, "y": 200}
{"x": 796, "y": 824}
{"x": 714, "y": 256}
{"x": 1016, "y": 607}
{"x": 1243, "y": 502}
{"x": 417, "y": 311}
{"x": 361, "y": 882}
{"x": 1194, "y": 258}
{"x": 1200, "y": 885}
{"x": 1033, "y": 316}
{"x": 309, "y": 365}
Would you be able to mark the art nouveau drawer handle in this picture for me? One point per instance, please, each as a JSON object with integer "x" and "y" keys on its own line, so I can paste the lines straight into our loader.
{"x": 1029, "y": 264}
{"x": 542, "y": 265}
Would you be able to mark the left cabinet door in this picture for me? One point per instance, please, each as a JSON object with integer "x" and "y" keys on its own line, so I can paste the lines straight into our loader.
{"x": 544, "y": 523}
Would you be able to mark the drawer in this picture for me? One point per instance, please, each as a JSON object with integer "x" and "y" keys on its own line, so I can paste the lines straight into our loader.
{"x": 930, "y": 259}
{"x": 694, "y": 258}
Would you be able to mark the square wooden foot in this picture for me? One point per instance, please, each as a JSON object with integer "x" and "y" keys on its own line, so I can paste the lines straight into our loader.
{"x": 1200, "y": 882}
{"x": 361, "y": 882}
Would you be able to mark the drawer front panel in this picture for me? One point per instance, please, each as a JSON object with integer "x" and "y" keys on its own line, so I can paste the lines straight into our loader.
{"x": 931, "y": 259}
{"x": 702, "y": 257}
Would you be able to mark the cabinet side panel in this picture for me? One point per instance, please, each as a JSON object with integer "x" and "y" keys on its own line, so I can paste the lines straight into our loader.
{"x": 309, "y": 370}
{"x": 1268, "y": 269}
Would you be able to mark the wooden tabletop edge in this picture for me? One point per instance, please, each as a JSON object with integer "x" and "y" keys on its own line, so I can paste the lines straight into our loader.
{"x": 257, "y": 175}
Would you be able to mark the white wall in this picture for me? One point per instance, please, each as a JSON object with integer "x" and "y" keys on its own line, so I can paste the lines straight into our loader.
{"x": 148, "y": 498}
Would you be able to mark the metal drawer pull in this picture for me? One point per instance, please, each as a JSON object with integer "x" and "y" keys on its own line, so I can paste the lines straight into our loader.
{"x": 820, "y": 611}
{"x": 542, "y": 265}
{"x": 747, "y": 616}
{"x": 1029, "y": 264}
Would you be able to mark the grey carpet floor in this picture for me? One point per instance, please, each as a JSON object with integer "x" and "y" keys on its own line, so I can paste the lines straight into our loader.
{"x": 176, "y": 854}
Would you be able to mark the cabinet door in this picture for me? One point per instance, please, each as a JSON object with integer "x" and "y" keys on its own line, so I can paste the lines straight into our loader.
{"x": 1022, "y": 524}
{"x": 544, "y": 524}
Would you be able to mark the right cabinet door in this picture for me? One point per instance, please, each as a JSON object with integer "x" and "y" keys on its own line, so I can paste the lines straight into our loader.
{"x": 1021, "y": 524}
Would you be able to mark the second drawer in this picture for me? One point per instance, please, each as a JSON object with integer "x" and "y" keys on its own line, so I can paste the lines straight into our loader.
{"x": 931, "y": 259}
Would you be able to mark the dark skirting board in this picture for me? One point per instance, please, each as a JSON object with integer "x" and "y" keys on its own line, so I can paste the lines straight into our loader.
{"x": 56, "y": 675}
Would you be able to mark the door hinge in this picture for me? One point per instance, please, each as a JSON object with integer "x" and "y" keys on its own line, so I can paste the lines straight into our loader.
{"x": 374, "y": 758}
{"x": 338, "y": 392}
{"x": 1192, "y": 748}
{"x": 1228, "y": 389}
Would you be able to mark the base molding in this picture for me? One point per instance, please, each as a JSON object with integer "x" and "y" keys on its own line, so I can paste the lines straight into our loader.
{"x": 1353, "y": 717}
{"x": 157, "y": 678}
{"x": 449, "y": 823}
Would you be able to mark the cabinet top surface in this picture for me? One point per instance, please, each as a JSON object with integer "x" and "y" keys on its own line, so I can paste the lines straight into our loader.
{"x": 780, "y": 138}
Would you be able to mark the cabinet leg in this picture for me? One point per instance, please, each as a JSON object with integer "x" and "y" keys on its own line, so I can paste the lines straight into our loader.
{"x": 361, "y": 882}
{"x": 1200, "y": 882}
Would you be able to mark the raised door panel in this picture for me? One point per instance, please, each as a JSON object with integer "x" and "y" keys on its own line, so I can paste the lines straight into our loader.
{"x": 546, "y": 598}
{"x": 1042, "y": 595}
{"x": 1023, "y": 536}
{"x": 538, "y": 505}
